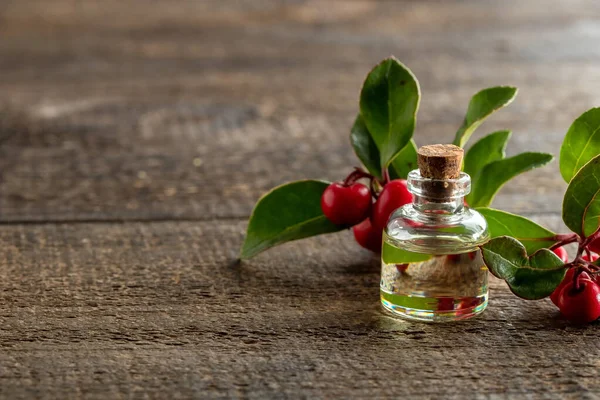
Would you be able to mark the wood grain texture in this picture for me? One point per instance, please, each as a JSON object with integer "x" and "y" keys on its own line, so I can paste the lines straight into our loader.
{"x": 135, "y": 138}
{"x": 194, "y": 110}
{"x": 144, "y": 309}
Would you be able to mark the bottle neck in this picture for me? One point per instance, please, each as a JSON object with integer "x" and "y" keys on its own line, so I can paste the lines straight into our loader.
{"x": 438, "y": 197}
{"x": 434, "y": 206}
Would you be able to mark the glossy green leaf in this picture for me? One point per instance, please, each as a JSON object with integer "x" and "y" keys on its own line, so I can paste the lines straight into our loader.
{"x": 482, "y": 105}
{"x": 367, "y": 152}
{"x": 486, "y": 150}
{"x": 581, "y": 204}
{"x": 531, "y": 278}
{"x": 497, "y": 173}
{"x": 530, "y": 234}
{"x": 389, "y": 102}
{"x": 288, "y": 212}
{"x": 394, "y": 255}
{"x": 405, "y": 161}
{"x": 364, "y": 146}
{"x": 581, "y": 143}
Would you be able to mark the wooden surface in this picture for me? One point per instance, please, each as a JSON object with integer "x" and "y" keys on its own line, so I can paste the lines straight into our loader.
{"x": 136, "y": 136}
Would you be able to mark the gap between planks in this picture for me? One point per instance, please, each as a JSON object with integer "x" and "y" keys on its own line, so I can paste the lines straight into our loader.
{"x": 166, "y": 219}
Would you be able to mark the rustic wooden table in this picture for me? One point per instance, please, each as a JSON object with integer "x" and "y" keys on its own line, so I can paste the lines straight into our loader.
{"x": 136, "y": 137}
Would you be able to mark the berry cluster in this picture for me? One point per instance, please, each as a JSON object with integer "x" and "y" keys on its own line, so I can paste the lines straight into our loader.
{"x": 364, "y": 208}
{"x": 527, "y": 263}
{"x": 578, "y": 295}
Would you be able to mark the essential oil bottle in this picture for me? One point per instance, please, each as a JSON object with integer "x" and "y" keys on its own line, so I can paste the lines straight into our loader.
{"x": 432, "y": 269}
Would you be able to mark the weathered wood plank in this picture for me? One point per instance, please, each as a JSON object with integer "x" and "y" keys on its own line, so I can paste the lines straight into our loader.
{"x": 149, "y": 308}
{"x": 175, "y": 166}
{"x": 195, "y": 112}
{"x": 190, "y": 110}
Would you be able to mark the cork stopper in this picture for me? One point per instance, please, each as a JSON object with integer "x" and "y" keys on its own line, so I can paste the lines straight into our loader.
{"x": 440, "y": 161}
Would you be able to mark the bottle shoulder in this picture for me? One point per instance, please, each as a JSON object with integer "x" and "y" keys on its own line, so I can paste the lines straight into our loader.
{"x": 432, "y": 233}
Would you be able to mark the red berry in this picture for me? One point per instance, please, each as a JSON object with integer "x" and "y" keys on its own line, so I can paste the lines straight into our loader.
{"x": 595, "y": 278}
{"x": 580, "y": 304}
{"x": 566, "y": 280}
{"x": 401, "y": 267}
{"x": 367, "y": 236}
{"x": 466, "y": 306}
{"x": 469, "y": 303}
{"x": 346, "y": 205}
{"x": 595, "y": 245}
{"x": 562, "y": 254}
{"x": 445, "y": 304}
{"x": 394, "y": 195}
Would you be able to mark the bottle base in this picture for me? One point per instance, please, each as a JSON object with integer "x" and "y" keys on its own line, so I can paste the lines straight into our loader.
{"x": 433, "y": 309}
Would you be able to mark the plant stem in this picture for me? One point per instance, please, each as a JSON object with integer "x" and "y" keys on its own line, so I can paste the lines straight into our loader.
{"x": 591, "y": 238}
{"x": 386, "y": 176}
{"x": 564, "y": 239}
{"x": 355, "y": 175}
{"x": 374, "y": 189}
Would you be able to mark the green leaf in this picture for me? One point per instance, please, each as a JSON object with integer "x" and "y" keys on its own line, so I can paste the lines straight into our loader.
{"x": 394, "y": 255}
{"x": 581, "y": 144}
{"x": 364, "y": 146}
{"x": 482, "y": 105}
{"x": 389, "y": 102}
{"x": 530, "y": 278}
{"x": 367, "y": 152}
{"x": 289, "y": 212}
{"x": 530, "y": 234}
{"x": 497, "y": 173}
{"x": 404, "y": 162}
{"x": 486, "y": 150}
{"x": 581, "y": 205}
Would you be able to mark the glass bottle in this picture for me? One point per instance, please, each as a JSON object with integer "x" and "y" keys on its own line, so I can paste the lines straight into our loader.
{"x": 432, "y": 269}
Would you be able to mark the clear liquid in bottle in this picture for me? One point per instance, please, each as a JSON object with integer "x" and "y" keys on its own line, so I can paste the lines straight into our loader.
{"x": 442, "y": 288}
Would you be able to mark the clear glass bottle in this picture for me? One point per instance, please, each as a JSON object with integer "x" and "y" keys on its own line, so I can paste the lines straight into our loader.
{"x": 432, "y": 269}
